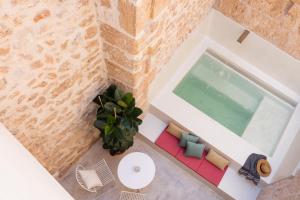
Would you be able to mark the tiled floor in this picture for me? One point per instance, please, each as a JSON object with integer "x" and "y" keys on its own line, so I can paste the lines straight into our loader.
{"x": 171, "y": 182}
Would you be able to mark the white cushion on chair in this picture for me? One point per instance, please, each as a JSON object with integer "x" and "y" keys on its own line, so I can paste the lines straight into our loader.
{"x": 90, "y": 178}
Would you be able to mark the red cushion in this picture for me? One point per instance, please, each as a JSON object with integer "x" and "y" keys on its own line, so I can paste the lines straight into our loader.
{"x": 210, "y": 172}
{"x": 190, "y": 162}
{"x": 169, "y": 143}
{"x": 203, "y": 167}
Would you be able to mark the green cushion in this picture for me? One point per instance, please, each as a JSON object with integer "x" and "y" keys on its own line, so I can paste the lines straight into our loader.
{"x": 187, "y": 138}
{"x": 194, "y": 149}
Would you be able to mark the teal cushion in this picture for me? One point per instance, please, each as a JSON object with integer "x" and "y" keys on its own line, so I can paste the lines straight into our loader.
{"x": 194, "y": 149}
{"x": 187, "y": 138}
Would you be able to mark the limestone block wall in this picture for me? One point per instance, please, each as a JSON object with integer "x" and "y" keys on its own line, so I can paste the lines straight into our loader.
{"x": 275, "y": 20}
{"x": 140, "y": 36}
{"x": 51, "y": 67}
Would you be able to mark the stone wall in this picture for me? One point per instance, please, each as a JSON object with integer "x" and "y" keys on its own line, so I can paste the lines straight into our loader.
{"x": 51, "y": 66}
{"x": 275, "y": 20}
{"x": 140, "y": 36}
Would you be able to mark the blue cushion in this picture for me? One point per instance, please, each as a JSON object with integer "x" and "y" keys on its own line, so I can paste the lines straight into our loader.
{"x": 194, "y": 149}
{"x": 187, "y": 138}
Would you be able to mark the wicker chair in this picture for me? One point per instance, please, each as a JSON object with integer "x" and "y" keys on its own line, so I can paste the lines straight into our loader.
{"x": 103, "y": 172}
{"x": 132, "y": 196}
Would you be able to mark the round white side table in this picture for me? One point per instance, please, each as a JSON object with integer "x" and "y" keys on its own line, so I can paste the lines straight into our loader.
{"x": 136, "y": 170}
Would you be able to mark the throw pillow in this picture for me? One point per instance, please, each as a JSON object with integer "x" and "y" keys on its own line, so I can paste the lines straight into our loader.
{"x": 90, "y": 178}
{"x": 187, "y": 138}
{"x": 217, "y": 160}
{"x": 175, "y": 130}
{"x": 194, "y": 149}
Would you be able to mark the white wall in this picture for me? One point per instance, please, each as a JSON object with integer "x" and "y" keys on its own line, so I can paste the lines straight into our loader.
{"x": 290, "y": 163}
{"x": 297, "y": 169}
{"x": 22, "y": 176}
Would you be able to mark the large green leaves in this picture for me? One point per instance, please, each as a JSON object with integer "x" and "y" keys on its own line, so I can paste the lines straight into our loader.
{"x": 128, "y": 99}
{"x": 108, "y": 95}
{"x": 118, "y": 94}
{"x": 117, "y": 119}
{"x": 110, "y": 91}
{"x": 122, "y": 104}
{"x": 136, "y": 112}
{"x": 112, "y": 107}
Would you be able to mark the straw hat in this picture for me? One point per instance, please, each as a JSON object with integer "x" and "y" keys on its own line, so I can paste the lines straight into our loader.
{"x": 263, "y": 168}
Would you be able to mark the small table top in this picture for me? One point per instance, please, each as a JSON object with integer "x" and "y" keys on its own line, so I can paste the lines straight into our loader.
{"x": 136, "y": 170}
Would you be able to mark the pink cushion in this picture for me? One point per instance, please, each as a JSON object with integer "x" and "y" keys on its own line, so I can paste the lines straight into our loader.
{"x": 169, "y": 143}
{"x": 210, "y": 172}
{"x": 191, "y": 162}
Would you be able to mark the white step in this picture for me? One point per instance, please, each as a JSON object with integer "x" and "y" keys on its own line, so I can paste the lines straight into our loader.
{"x": 238, "y": 187}
{"x": 152, "y": 127}
{"x": 267, "y": 125}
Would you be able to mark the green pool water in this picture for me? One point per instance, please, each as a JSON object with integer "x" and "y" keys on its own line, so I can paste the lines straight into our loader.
{"x": 216, "y": 105}
{"x": 240, "y": 105}
{"x": 221, "y": 93}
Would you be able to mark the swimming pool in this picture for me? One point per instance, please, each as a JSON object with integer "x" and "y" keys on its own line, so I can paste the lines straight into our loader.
{"x": 258, "y": 110}
{"x": 234, "y": 101}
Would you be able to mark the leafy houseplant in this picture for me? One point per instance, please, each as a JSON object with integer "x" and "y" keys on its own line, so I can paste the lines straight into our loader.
{"x": 117, "y": 119}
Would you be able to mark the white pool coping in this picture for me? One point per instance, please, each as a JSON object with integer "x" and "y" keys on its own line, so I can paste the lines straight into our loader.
{"x": 229, "y": 144}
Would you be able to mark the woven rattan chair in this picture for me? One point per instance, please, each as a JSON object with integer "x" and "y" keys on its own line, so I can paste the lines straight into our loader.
{"x": 103, "y": 171}
{"x": 132, "y": 196}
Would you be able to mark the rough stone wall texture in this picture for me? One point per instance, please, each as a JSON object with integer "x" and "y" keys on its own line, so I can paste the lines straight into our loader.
{"x": 140, "y": 36}
{"x": 287, "y": 189}
{"x": 51, "y": 66}
{"x": 275, "y": 20}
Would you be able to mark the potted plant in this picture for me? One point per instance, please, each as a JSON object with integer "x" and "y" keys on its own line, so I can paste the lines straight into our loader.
{"x": 117, "y": 119}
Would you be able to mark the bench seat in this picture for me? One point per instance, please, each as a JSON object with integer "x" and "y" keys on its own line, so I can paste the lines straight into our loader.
{"x": 201, "y": 166}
